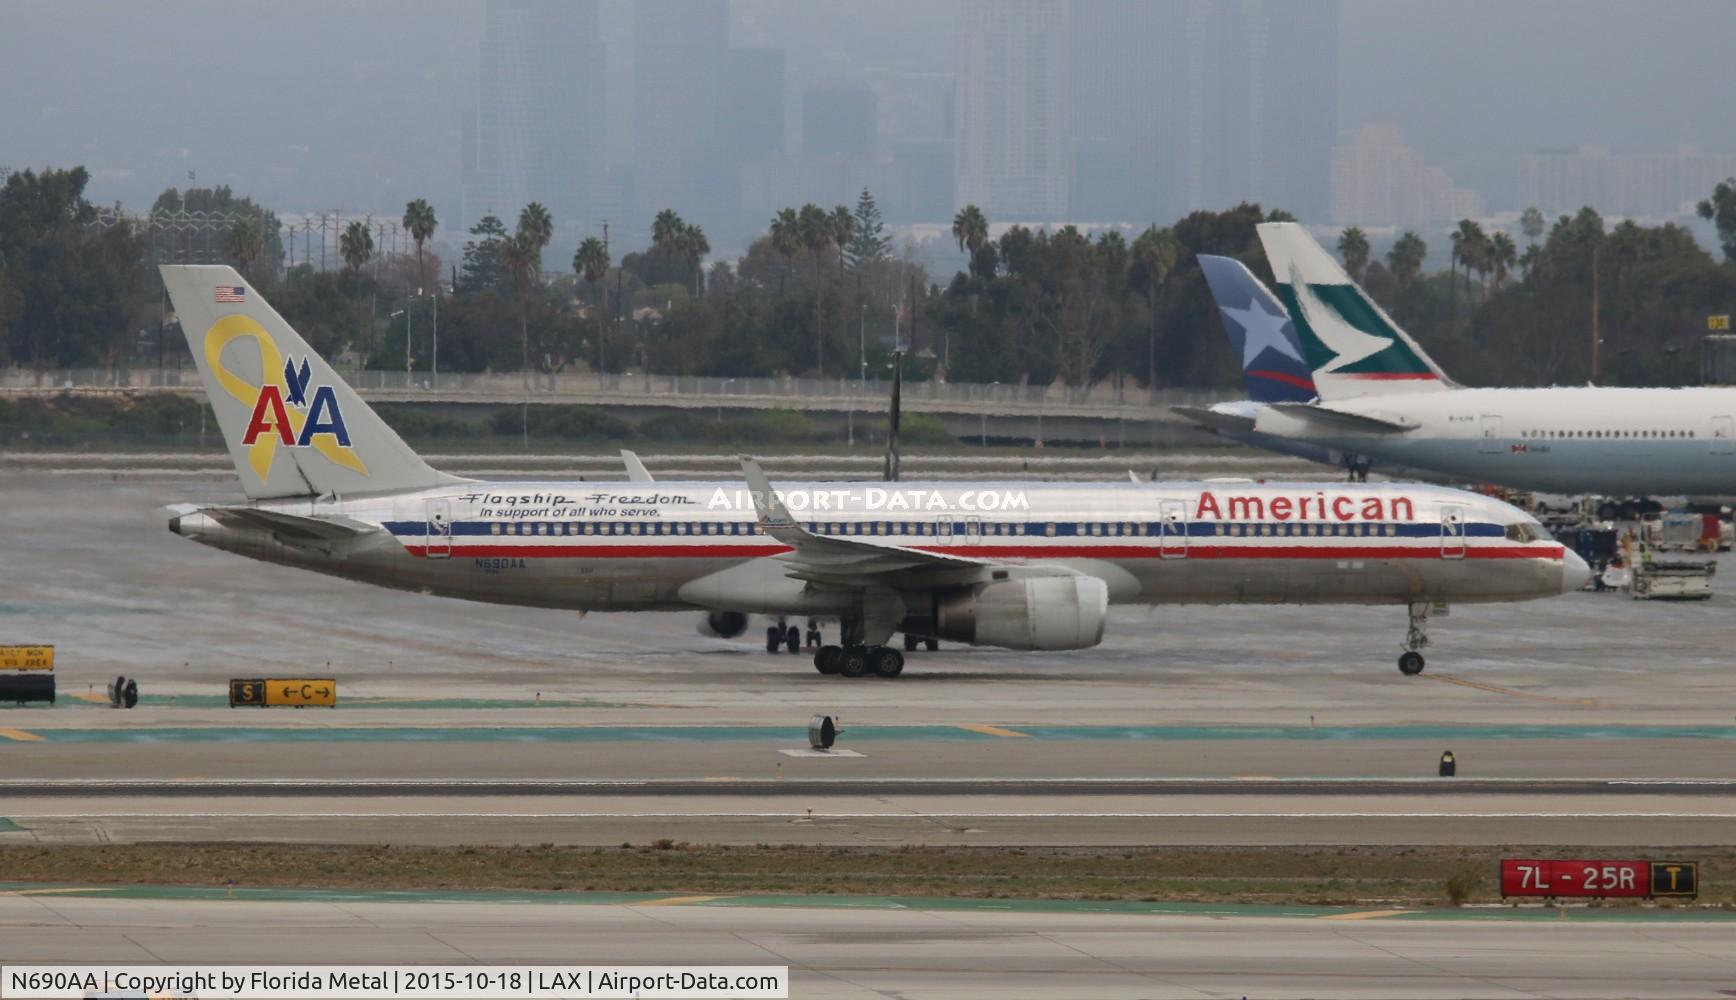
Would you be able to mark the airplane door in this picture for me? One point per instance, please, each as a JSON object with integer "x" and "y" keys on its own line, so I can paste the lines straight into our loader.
{"x": 439, "y": 542}
{"x": 1724, "y": 435}
{"x": 1491, "y": 434}
{"x": 1172, "y": 529}
{"x": 973, "y": 530}
{"x": 1452, "y": 532}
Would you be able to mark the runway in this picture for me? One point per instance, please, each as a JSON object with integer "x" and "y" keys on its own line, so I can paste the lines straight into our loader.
{"x": 915, "y": 952}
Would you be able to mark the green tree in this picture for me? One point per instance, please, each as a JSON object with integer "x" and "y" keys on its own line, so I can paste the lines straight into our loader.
{"x": 1353, "y": 248}
{"x": 1155, "y": 252}
{"x": 1720, "y": 210}
{"x": 691, "y": 246}
{"x": 1405, "y": 259}
{"x": 868, "y": 242}
{"x": 356, "y": 244}
{"x": 245, "y": 243}
{"x": 420, "y": 223}
{"x": 482, "y": 255}
{"x": 218, "y": 206}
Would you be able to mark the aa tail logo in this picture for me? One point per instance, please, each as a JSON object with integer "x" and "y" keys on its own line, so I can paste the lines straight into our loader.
{"x": 287, "y": 410}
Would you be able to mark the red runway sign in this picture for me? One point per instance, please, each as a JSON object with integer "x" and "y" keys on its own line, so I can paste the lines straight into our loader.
{"x": 1599, "y": 879}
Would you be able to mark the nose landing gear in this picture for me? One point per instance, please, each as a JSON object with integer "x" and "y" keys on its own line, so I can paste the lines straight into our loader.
{"x": 1410, "y": 662}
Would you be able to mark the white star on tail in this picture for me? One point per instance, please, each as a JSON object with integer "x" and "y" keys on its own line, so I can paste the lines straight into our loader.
{"x": 1260, "y": 330}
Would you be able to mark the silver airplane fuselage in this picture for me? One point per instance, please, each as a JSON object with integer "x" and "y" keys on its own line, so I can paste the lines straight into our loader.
{"x": 673, "y": 546}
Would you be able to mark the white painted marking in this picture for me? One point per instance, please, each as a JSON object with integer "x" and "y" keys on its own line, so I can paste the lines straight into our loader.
{"x": 811, "y": 752}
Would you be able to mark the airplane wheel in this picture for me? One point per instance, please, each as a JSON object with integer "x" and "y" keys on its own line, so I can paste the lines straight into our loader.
{"x": 774, "y": 638}
{"x": 888, "y": 662}
{"x": 933, "y": 644}
{"x": 911, "y": 642}
{"x": 814, "y": 638}
{"x": 853, "y": 661}
{"x": 826, "y": 659}
{"x": 793, "y": 639}
{"x": 1410, "y": 664}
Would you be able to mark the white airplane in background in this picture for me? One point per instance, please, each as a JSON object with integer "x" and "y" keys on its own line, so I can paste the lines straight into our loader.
{"x": 1380, "y": 395}
{"x": 330, "y": 487}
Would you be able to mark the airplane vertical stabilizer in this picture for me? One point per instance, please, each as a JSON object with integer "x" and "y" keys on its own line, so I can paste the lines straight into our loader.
{"x": 292, "y": 426}
{"x": 1354, "y": 347}
{"x": 1260, "y": 332}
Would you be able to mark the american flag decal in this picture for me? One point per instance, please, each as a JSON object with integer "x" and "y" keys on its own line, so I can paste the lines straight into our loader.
{"x": 231, "y": 293}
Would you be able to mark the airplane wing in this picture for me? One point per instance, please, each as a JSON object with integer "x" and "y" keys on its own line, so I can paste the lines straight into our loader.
{"x": 1330, "y": 421}
{"x": 290, "y": 527}
{"x": 1214, "y": 420}
{"x": 636, "y": 471}
{"x": 852, "y": 561}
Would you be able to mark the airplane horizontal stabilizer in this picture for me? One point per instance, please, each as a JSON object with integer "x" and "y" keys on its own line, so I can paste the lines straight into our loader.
{"x": 291, "y": 527}
{"x": 1330, "y": 421}
{"x": 1215, "y": 420}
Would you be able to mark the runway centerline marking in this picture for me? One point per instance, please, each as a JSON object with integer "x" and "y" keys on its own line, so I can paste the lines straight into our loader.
{"x": 20, "y": 735}
{"x": 987, "y": 730}
{"x": 1497, "y": 689}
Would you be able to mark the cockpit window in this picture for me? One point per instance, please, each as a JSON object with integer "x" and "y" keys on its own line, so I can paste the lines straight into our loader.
{"x": 1524, "y": 532}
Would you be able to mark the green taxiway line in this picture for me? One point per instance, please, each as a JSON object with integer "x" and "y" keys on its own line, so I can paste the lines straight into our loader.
{"x": 222, "y": 701}
{"x": 932, "y": 903}
{"x": 7, "y": 826}
{"x": 711, "y": 734}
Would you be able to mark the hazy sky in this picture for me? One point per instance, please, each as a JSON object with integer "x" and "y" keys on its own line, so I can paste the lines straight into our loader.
{"x": 304, "y": 103}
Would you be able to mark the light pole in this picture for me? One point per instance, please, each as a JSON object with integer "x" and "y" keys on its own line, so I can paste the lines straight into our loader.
{"x": 406, "y": 314}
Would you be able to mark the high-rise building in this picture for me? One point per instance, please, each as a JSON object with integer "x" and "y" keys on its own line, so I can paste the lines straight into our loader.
{"x": 1124, "y": 109}
{"x": 1260, "y": 111}
{"x": 840, "y": 120}
{"x": 680, "y": 160}
{"x": 1636, "y": 185}
{"x": 754, "y": 79}
{"x": 537, "y": 133}
{"x": 1010, "y": 109}
{"x": 1379, "y": 181}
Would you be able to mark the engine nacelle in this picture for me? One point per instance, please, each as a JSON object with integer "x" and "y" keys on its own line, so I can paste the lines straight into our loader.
{"x": 723, "y": 624}
{"x": 1045, "y": 612}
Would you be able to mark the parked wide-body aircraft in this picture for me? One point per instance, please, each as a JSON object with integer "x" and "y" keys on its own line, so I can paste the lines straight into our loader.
{"x": 1273, "y": 367}
{"x": 1382, "y": 396}
{"x": 330, "y": 487}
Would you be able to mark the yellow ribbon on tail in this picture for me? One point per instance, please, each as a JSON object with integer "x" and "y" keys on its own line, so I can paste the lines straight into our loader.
{"x": 263, "y": 451}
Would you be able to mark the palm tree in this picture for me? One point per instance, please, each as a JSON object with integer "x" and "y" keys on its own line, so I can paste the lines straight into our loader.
{"x": 520, "y": 259}
{"x": 692, "y": 246}
{"x": 1353, "y": 247}
{"x": 971, "y": 228}
{"x": 420, "y": 223}
{"x": 1503, "y": 254}
{"x": 843, "y": 226}
{"x": 815, "y": 226}
{"x": 1405, "y": 259}
{"x": 537, "y": 227}
{"x": 1531, "y": 223}
{"x": 245, "y": 243}
{"x": 666, "y": 227}
{"x": 591, "y": 263}
{"x": 786, "y": 234}
{"x": 356, "y": 245}
{"x": 1155, "y": 252}
{"x": 1468, "y": 242}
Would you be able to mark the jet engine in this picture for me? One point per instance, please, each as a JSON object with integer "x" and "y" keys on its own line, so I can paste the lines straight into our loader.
{"x": 723, "y": 624}
{"x": 1046, "y": 612}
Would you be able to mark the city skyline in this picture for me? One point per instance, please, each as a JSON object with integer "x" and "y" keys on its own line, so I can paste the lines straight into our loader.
{"x": 608, "y": 110}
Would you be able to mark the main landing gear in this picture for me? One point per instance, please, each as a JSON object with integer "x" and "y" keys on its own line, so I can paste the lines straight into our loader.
{"x": 856, "y": 658}
{"x": 782, "y": 636}
{"x": 1410, "y": 662}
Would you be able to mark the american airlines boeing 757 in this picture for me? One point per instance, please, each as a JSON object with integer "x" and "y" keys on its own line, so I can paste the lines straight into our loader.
{"x": 1022, "y": 565}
